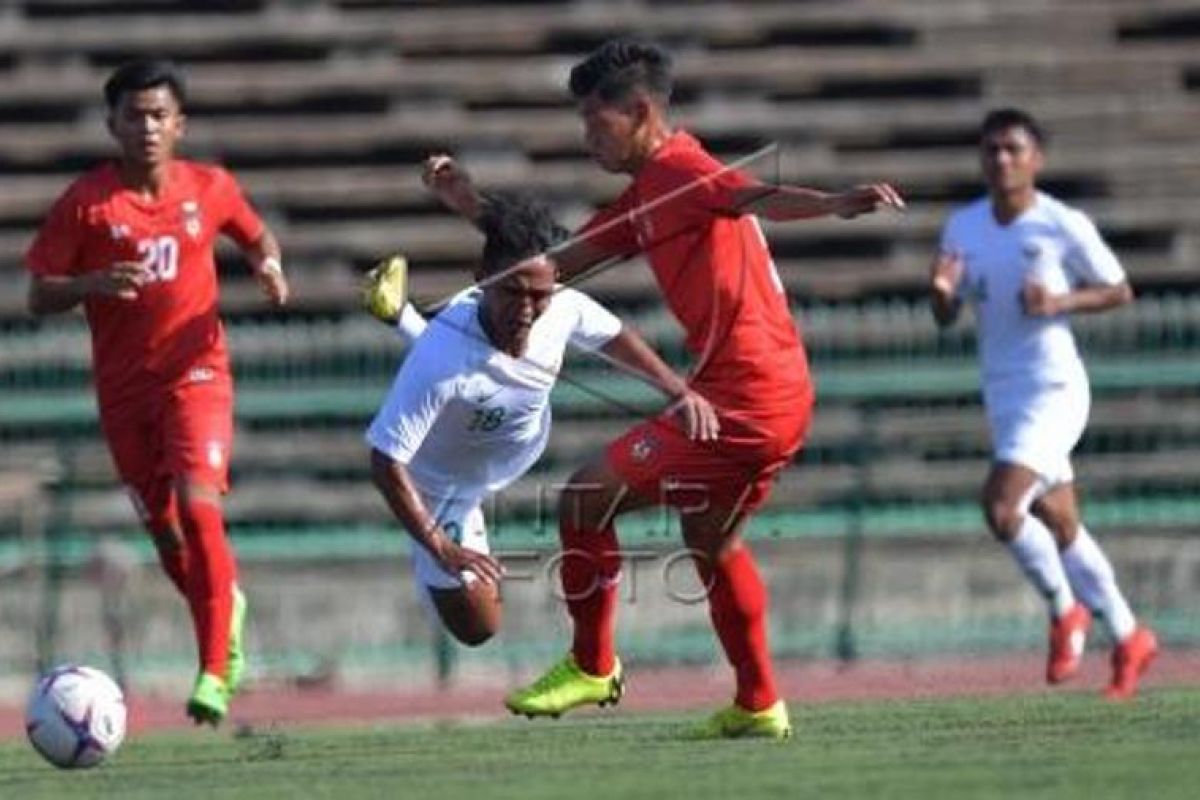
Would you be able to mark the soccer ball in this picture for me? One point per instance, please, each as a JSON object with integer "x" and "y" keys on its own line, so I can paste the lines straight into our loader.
{"x": 75, "y": 717}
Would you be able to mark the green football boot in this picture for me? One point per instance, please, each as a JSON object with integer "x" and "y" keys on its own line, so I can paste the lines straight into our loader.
{"x": 385, "y": 290}
{"x": 566, "y": 686}
{"x": 235, "y": 667}
{"x": 736, "y": 722}
{"x": 209, "y": 703}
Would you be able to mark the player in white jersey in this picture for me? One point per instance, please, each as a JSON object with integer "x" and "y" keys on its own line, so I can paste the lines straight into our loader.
{"x": 469, "y": 410}
{"x": 1025, "y": 261}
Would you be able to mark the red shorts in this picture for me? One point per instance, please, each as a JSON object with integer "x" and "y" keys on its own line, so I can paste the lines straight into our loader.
{"x": 659, "y": 462}
{"x": 183, "y": 429}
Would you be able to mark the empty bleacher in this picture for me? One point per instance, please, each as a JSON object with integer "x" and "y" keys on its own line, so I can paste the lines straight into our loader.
{"x": 324, "y": 109}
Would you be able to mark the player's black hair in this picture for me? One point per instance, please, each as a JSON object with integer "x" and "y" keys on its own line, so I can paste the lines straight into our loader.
{"x": 1000, "y": 119}
{"x": 144, "y": 73}
{"x": 516, "y": 227}
{"x": 617, "y": 67}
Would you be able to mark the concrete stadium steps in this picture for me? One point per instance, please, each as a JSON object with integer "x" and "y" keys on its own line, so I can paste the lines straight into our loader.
{"x": 313, "y": 470}
{"x": 349, "y": 98}
{"x": 318, "y": 28}
{"x": 342, "y": 229}
{"x": 836, "y": 267}
{"x": 325, "y": 109}
{"x": 793, "y": 73}
{"x": 895, "y": 482}
{"x": 1133, "y": 425}
{"x": 929, "y": 527}
{"x": 843, "y": 339}
{"x": 534, "y": 26}
{"x": 410, "y": 130}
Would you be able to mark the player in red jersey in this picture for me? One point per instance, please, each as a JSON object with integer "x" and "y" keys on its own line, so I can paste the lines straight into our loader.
{"x": 695, "y": 221}
{"x": 132, "y": 242}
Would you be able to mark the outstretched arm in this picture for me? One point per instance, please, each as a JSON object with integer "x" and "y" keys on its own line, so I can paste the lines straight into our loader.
{"x": 452, "y": 185}
{"x": 394, "y": 483}
{"x": 783, "y": 203}
{"x": 630, "y": 350}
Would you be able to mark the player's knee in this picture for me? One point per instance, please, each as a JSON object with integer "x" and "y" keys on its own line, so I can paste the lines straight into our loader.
{"x": 590, "y": 498}
{"x": 1061, "y": 520}
{"x": 161, "y": 521}
{"x": 474, "y": 630}
{"x": 707, "y": 547}
{"x": 166, "y": 534}
{"x": 192, "y": 490}
{"x": 472, "y": 616}
{"x": 576, "y": 508}
{"x": 474, "y": 636}
{"x": 1063, "y": 528}
{"x": 1003, "y": 518}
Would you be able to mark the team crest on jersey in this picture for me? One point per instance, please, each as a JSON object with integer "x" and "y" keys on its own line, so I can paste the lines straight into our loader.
{"x": 191, "y": 218}
{"x": 1032, "y": 251}
{"x": 643, "y": 449}
{"x": 118, "y": 232}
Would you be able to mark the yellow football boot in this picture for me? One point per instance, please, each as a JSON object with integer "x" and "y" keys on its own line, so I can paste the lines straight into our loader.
{"x": 736, "y": 722}
{"x": 385, "y": 289}
{"x": 566, "y": 686}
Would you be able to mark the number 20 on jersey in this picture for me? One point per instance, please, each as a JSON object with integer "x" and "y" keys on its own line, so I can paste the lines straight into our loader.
{"x": 160, "y": 257}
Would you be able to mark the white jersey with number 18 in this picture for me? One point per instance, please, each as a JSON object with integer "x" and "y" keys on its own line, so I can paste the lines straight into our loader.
{"x": 468, "y": 419}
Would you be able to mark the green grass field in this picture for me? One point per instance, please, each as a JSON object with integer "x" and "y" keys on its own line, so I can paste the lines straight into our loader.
{"x": 1059, "y": 746}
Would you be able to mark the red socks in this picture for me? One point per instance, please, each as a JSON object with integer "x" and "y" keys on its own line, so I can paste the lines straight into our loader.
{"x": 737, "y": 602}
{"x": 591, "y": 564}
{"x": 161, "y": 516}
{"x": 173, "y": 556}
{"x": 210, "y": 574}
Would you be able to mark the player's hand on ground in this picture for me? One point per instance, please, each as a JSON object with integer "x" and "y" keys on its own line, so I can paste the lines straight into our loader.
{"x": 123, "y": 279}
{"x": 946, "y": 272}
{"x": 455, "y": 558}
{"x": 447, "y": 179}
{"x": 1038, "y": 301}
{"x": 272, "y": 282}
{"x": 699, "y": 417}
{"x": 867, "y": 198}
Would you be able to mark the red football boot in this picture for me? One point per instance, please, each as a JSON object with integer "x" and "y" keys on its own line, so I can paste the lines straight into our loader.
{"x": 1129, "y": 660}
{"x": 1067, "y": 636}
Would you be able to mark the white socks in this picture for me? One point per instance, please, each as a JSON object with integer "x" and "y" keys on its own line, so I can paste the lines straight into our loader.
{"x": 1092, "y": 577}
{"x": 1036, "y": 553}
{"x": 410, "y": 324}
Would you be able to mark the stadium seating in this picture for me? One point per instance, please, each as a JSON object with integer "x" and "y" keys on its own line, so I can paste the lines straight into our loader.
{"x": 325, "y": 108}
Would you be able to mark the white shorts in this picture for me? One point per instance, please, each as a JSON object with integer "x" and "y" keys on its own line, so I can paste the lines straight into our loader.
{"x": 1037, "y": 426}
{"x": 463, "y": 522}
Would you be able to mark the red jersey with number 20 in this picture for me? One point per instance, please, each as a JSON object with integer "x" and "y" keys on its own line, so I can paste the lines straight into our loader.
{"x": 717, "y": 276}
{"x": 173, "y": 325}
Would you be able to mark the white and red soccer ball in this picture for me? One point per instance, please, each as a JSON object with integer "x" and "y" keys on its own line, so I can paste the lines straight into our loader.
{"x": 75, "y": 717}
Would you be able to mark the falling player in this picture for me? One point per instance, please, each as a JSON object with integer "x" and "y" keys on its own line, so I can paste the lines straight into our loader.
{"x": 469, "y": 410}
